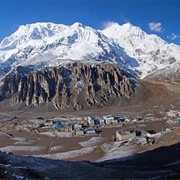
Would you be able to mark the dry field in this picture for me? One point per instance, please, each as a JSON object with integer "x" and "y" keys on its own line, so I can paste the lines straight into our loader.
{"x": 63, "y": 146}
{"x": 55, "y": 145}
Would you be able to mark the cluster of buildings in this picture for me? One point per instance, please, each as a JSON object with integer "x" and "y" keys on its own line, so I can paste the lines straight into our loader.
{"x": 86, "y": 126}
{"x": 173, "y": 114}
{"x": 104, "y": 120}
{"x": 90, "y": 125}
{"x": 140, "y": 137}
{"x": 160, "y": 124}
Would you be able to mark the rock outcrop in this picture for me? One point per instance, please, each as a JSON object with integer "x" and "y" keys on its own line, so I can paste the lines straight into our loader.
{"x": 75, "y": 86}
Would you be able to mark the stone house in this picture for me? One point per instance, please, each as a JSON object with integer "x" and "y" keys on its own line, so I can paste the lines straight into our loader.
{"x": 78, "y": 132}
{"x": 108, "y": 119}
{"x": 68, "y": 128}
{"x": 124, "y": 135}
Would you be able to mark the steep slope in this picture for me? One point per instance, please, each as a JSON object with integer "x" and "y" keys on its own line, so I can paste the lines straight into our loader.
{"x": 47, "y": 44}
{"x": 76, "y": 86}
{"x": 150, "y": 51}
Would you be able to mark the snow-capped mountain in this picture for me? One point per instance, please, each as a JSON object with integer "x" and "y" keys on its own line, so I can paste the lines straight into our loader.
{"x": 150, "y": 51}
{"x": 47, "y": 44}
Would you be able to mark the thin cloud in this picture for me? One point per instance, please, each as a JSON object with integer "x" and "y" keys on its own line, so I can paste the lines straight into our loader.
{"x": 126, "y": 20}
{"x": 157, "y": 27}
{"x": 107, "y": 24}
{"x": 173, "y": 36}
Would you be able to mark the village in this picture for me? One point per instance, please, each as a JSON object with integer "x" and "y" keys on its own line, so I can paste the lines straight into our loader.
{"x": 93, "y": 138}
{"x": 142, "y": 129}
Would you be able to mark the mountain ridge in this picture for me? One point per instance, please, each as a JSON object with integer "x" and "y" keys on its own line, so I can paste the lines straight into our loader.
{"x": 74, "y": 86}
{"x": 151, "y": 52}
{"x": 48, "y": 44}
{"x": 73, "y": 43}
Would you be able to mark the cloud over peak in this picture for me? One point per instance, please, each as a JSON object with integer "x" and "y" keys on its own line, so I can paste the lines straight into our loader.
{"x": 173, "y": 36}
{"x": 157, "y": 27}
{"x": 107, "y": 24}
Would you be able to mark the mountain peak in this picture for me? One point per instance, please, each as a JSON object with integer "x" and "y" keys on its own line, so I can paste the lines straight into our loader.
{"x": 28, "y": 32}
{"x": 78, "y": 24}
{"x": 130, "y": 27}
{"x": 49, "y": 44}
{"x": 127, "y": 24}
{"x": 114, "y": 30}
{"x": 150, "y": 51}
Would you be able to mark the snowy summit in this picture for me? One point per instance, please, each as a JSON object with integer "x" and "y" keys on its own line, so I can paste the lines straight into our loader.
{"x": 48, "y": 44}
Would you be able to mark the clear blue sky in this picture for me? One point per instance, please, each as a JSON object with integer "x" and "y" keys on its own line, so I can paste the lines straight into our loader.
{"x": 161, "y": 17}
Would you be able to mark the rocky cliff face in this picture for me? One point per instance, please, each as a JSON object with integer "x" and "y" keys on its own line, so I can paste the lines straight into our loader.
{"x": 75, "y": 86}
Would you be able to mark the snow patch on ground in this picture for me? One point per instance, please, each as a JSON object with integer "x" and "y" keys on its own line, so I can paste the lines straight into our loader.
{"x": 19, "y": 139}
{"x": 69, "y": 154}
{"x": 64, "y": 134}
{"x": 22, "y": 148}
{"x": 94, "y": 141}
{"x": 58, "y": 134}
{"x": 56, "y": 148}
{"x": 52, "y": 134}
{"x": 115, "y": 150}
{"x": 15, "y": 176}
{"x": 22, "y": 143}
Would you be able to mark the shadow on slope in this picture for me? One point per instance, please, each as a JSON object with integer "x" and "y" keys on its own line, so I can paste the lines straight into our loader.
{"x": 161, "y": 163}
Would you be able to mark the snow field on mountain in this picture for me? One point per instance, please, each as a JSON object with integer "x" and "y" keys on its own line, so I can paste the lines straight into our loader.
{"x": 151, "y": 52}
{"x": 48, "y": 44}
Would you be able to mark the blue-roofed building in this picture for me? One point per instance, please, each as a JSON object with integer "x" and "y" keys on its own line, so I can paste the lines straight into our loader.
{"x": 56, "y": 124}
{"x": 90, "y": 118}
{"x": 101, "y": 121}
{"x": 178, "y": 119}
{"x": 90, "y": 131}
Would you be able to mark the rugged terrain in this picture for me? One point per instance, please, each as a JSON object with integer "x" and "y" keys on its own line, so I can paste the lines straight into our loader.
{"x": 84, "y": 87}
{"x": 76, "y": 86}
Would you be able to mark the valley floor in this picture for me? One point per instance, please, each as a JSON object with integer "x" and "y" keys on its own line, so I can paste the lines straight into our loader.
{"x": 99, "y": 155}
{"x": 140, "y": 166}
{"x": 47, "y": 142}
